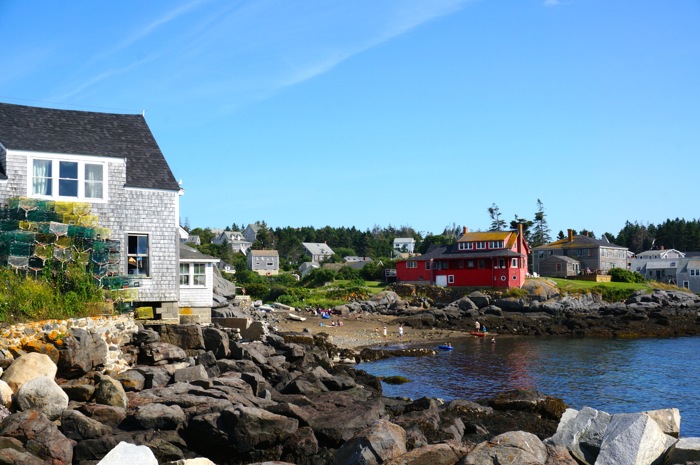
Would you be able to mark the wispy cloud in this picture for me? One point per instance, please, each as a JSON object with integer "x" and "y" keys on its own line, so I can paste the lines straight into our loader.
{"x": 551, "y": 2}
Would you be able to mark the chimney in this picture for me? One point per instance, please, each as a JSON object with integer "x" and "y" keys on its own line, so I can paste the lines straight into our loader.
{"x": 520, "y": 238}
{"x": 465, "y": 230}
{"x": 571, "y": 235}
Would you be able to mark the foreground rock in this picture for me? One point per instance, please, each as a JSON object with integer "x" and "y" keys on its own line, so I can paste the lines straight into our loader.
{"x": 287, "y": 399}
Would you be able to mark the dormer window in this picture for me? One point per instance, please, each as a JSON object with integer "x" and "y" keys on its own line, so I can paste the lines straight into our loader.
{"x": 67, "y": 179}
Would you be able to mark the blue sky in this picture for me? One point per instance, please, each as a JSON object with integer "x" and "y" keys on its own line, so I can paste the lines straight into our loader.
{"x": 387, "y": 112}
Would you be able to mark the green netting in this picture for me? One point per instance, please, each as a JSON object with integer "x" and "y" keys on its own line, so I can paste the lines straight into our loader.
{"x": 35, "y": 263}
{"x": 101, "y": 258}
{"x": 99, "y": 246}
{"x": 9, "y": 225}
{"x": 20, "y": 249}
{"x": 80, "y": 231}
{"x": 13, "y": 203}
{"x": 62, "y": 255}
{"x": 82, "y": 243}
{"x": 81, "y": 208}
{"x": 43, "y": 251}
{"x": 113, "y": 246}
{"x": 59, "y": 229}
{"x": 63, "y": 242}
{"x": 42, "y": 215}
{"x": 114, "y": 282}
{"x": 26, "y": 237}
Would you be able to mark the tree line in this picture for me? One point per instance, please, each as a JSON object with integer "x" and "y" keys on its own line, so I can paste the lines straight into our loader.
{"x": 377, "y": 242}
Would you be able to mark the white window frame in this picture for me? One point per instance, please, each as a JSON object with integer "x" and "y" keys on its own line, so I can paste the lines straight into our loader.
{"x": 496, "y": 244}
{"x": 450, "y": 279}
{"x": 55, "y": 178}
{"x": 138, "y": 256}
{"x": 411, "y": 264}
{"x": 514, "y": 263}
{"x": 196, "y": 274}
{"x": 481, "y": 245}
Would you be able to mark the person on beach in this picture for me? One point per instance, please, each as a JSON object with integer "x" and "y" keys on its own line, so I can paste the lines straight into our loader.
{"x": 400, "y": 330}
{"x": 483, "y": 328}
{"x": 477, "y": 325}
{"x": 385, "y": 331}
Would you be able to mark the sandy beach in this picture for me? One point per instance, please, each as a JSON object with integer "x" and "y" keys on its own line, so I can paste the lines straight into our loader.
{"x": 365, "y": 330}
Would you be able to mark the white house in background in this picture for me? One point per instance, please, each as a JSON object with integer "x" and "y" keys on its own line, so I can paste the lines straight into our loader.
{"x": 317, "y": 251}
{"x": 308, "y": 267}
{"x": 186, "y": 238}
{"x": 404, "y": 244}
{"x": 235, "y": 240}
{"x": 264, "y": 262}
{"x": 662, "y": 254}
{"x": 196, "y": 283}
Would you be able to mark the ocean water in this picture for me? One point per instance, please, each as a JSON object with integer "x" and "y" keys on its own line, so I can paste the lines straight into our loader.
{"x": 613, "y": 375}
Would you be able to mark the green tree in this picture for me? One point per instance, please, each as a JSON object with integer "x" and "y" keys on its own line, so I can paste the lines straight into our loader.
{"x": 541, "y": 234}
{"x": 526, "y": 224}
{"x": 497, "y": 223}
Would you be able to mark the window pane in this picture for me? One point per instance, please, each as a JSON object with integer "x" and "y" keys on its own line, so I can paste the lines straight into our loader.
{"x": 68, "y": 179}
{"x": 199, "y": 276}
{"x": 137, "y": 251}
{"x": 184, "y": 274}
{"x": 94, "y": 180}
{"x": 41, "y": 177}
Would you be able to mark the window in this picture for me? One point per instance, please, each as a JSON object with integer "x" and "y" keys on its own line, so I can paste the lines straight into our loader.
{"x": 514, "y": 263}
{"x": 461, "y": 263}
{"x": 411, "y": 264}
{"x": 427, "y": 265}
{"x": 137, "y": 254}
{"x": 481, "y": 263}
{"x": 450, "y": 279}
{"x": 501, "y": 263}
{"x": 67, "y": 179}
{"x": 481, "y": 245}
{"x": 193, "y": 274}
{"x": 470, "y": 263}
{"x": 495, "y": 244}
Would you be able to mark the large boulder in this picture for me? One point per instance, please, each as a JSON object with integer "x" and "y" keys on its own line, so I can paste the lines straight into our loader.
{"x": 188, "y": 337}
{"x": 81, "y": 351}
{"x": 156, "y": 416}
{"x": 216, "y": 341}
{"x": 512, "y": 448}
{"x": 39, "y": 436}
{"x": 378, "y": 443}
{"x": 668, "y": 419}
{"x": 685, "y": 450}
{"x": 433, "y": 454}
{"x": 28, "y": 367}
{"x": 77, "y": 426}
{"x": 582, "y": 432}
{"x": 632, "y": 438}
{"x": 5, "y": 394}
{"x": 111, "y": 392}
{"x": 43, "y": 394}
{"x": 161, "y": 353}
{"x": 254, "y": 428}
{"x": 129, "y": 453}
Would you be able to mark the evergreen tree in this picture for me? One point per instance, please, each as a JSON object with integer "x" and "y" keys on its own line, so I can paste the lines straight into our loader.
{"x": 527, "y": 224}
{"x": 497, "y": 224}
{"x": 541, "y": 234}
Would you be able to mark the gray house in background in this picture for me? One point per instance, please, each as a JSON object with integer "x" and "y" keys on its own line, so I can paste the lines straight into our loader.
{"x": 317, "y": 251}
{"x": 264, "y": 262}
{"x": 559, "y": 266}
{"x": 656, "y": 269}
{"x": 594, "y": 255}
{"x": 196, "y": 284}
{"x": 688, "y": 273}
{"x": 251, "y": 231}
{"x": 112, "y": 163}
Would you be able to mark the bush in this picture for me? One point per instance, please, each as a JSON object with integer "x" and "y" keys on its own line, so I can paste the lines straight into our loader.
{"x": 620, "y": 275}
{"x": 256, "y": 290}
{"x": 319, "y": 277}
{"x": 349, "y": 273}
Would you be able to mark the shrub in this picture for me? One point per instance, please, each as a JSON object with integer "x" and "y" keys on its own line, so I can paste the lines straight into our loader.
{"x": 620, "y": 275}
{"x": 256, "y": 290}
{"x": 349, "y": 273}
{"x": 319, "y": 277}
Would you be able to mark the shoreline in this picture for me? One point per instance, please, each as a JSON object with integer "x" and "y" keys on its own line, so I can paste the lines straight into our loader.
{"x": 365, "y": 330}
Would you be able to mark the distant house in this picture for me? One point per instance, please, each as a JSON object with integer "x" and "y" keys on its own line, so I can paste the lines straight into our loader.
{"x": 250, "y": 233}
{"x": 317, "y": 251}
{"x": 264, "y": 262}
{"x": 559, "y": 266}
{"x": 356, "y": 262}
{"x": 235, "y": 240}
{"x": 404, "y": 244}
{"x": 656, "y": 269}
{"x": 104, "y": 171}
{"x": 196, "y": 283}
{"x": 308, "y": 267}
{"x": 594, "y": 255}
{"x": 477, "y": 259}
{"x": 186, "y": 238}
{"x": 688, "y": 273}
{"x": 660, "y": 254}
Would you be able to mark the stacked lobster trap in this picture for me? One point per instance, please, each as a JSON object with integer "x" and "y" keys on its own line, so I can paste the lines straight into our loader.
{"x": 35, "y": 232}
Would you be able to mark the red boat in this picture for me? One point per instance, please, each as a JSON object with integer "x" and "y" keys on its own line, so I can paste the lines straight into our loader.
{"x": 481, "y": 333}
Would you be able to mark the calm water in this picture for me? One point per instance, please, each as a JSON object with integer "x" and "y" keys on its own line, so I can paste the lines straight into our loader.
{"x": 616, "y": 376}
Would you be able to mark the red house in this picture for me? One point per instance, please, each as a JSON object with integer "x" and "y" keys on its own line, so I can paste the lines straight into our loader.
{"x": 477, "y": 259}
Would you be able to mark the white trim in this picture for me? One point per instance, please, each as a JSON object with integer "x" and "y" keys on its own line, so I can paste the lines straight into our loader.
{"x": 150, "y": 189}
{"x": 55, "y": 160}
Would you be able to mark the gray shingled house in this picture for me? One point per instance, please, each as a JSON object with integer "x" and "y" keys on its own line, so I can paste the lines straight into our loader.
{"x": 112, "y": 163}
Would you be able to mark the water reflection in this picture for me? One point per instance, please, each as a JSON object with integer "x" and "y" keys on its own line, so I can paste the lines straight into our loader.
{"x": 608, "y": 374}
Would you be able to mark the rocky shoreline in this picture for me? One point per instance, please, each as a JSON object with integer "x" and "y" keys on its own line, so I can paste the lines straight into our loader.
{"x": 193, "y": 394}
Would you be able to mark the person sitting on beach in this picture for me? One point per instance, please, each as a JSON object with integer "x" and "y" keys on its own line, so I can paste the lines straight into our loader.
{"x": 483, "y": 328}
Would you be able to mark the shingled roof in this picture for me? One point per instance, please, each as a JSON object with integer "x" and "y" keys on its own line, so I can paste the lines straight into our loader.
{"x": 126, "y": 136}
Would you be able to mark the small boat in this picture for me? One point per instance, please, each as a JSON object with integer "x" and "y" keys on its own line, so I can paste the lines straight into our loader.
{"x": 482, "y": 334}
{"x": 445, "y": 347}
{"x": 295, "y": 317}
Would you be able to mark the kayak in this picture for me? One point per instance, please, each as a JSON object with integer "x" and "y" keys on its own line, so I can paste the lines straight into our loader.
{"x": 443, "y": 347}
{"x": 481, "y": 334}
